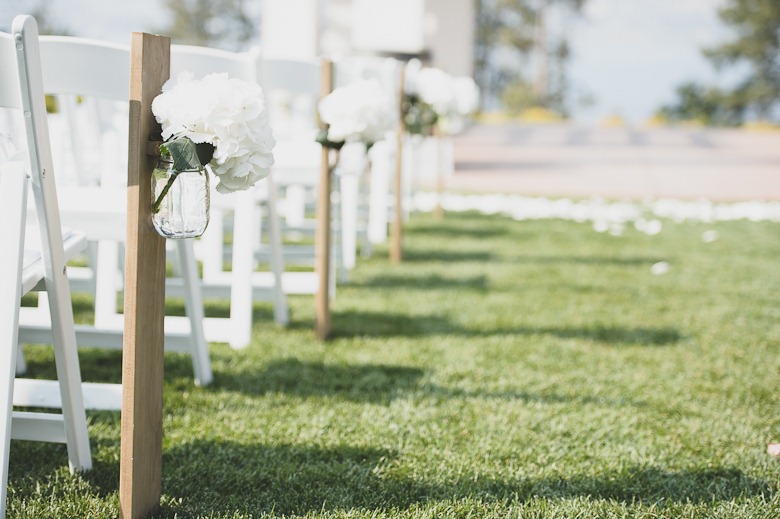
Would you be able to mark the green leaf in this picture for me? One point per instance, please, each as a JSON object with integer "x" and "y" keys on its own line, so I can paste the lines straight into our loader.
{"x": 184, "y": 154}
{"x": 322, "y": 138}
{"x": 205, "y": 152}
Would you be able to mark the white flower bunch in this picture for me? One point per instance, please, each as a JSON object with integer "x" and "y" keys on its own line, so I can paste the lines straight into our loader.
{"x": 227, "y": 113}
{"x": 466, "y": 95}
{"x": 437, "y": 88}
{"x": 360, "y": 111}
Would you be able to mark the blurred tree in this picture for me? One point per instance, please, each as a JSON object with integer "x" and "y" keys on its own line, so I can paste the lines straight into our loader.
{"x": 756, "y": 46}
{"x": 513, "y": 35}
{"x": 46, "y": 23}
{"x": 706, "y": 105}
{"x": 503, "y": 39}
{"x": 210, "y": 23}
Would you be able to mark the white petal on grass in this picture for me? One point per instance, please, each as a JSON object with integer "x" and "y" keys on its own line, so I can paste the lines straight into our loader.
{"x": 616, "y": 229}
{"x": 659, "y": 268}
{"x": 709, "y": 236}
{"x": 653, "y": 227}
{"x": 646, "y": 216}
{"x": 600, "y": 226}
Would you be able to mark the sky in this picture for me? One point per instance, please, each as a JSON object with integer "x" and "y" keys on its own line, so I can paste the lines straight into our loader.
{"x": 629, "y": 55}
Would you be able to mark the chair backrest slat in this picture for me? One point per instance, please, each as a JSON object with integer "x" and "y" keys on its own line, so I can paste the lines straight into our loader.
{"x": 33, "y": 103}
{"x": 202, "y": 61}
{"x": 294, "y": 76}
{"x": 85, "y": 67}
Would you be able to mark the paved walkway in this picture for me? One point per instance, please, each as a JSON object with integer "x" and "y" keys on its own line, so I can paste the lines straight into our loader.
{"x": 570, "y": 160}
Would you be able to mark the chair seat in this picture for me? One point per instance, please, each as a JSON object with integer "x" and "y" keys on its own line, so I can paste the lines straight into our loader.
{"x": 100, "y": 212}
{"x": 32, "y": 265}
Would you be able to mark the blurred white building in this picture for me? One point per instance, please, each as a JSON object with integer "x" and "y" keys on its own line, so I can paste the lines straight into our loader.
{"x": 440, "y": 32}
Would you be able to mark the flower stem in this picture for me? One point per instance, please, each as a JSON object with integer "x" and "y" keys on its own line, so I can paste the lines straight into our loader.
{"x": 156, "y": 204}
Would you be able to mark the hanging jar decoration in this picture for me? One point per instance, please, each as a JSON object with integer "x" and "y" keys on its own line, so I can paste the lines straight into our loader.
{"x": 180, "y": 200}
{"x": 214, "y": 125}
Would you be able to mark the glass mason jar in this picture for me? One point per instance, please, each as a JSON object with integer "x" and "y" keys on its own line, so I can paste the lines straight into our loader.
{"x": 180, "y": 200}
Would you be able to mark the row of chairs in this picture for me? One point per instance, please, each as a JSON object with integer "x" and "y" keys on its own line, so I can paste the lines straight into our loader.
{"x": 89, "y": 81}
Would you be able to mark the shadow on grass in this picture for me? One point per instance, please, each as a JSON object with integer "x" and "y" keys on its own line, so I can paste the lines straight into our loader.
{"x": 445, "y": 256}
{"x": 206, "y": 477}
{"x": 219, "y": 308}
{"x": 102, "y": 365}
{"x": 528, "y": 397}
{"x": 50, "y": 462}
{"x": 384, "y": 324}
{"x": 646, "y": 336}
{"x": 432, "y": 281}
{"x": 372, "y": 383}
{"x": 480, "y": 231}
{"x": 376, "y": 384}
{"x": 97, "y": 365}
{"x": 353, "y": 323}
{"x": 211, "y": 477}
{"x": 363, "y": 383}
{"x": 627, "y": 261}
{"x": 82, "y": 306}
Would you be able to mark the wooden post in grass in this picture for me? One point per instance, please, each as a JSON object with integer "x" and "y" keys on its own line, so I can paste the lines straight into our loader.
{"x": 438, "y": 141}
{"x": 140, "y": 469}
{"x": 322, "y": 237}
{"x": 396, "y": 250}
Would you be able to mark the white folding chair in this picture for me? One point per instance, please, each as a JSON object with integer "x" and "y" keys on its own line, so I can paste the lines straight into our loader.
{"x": 292, "y": 90}
{"x": 371, "y": 217}
{"x": 430, "y": 162}
{"x": 98, "y": 72}
{"x": 21, "y": 272}
{"x": 242, "y": 284}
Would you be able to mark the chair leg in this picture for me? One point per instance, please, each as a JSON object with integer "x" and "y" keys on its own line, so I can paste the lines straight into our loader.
{"x": 193, "y": 303}
{"x": 106, "y": 271}
{"x": 8, "y": 350}
{"x": 92, "y": 254}
{"x": 281, "y": 311}
{"x": 379, "y": 178}
{"x": 211, "y": 247}
{"x": 410, "y": 158}
{"x": 68, "y": 370}
{"x": 21, "y": 364}
{"x": 244, "y": 228}
{"x": 333, "y": 262}
{"x": 349, "y": 215}
{"x": 14, "y": 191}
{"x": 295, "y": 206}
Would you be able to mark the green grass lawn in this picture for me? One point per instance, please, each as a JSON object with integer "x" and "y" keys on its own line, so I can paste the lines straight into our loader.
{"x": 506, "y": 369}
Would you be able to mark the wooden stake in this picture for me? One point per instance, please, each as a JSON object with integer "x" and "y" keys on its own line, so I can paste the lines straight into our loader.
{"x": 140, "y": 468}
{"x": 322, "y": 238}
{"x": 397, "y": 230}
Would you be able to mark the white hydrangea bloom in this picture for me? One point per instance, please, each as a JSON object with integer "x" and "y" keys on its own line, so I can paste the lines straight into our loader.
{"x": 360, "y": 111}
{"x": 466, "y": 95}
{"x": 413, "y": 67}
{"x": 437, "y": 88}
{"x": 227, "y": 113}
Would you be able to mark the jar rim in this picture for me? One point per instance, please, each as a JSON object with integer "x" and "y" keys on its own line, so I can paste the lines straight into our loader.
{"x": 169, "y": 162}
